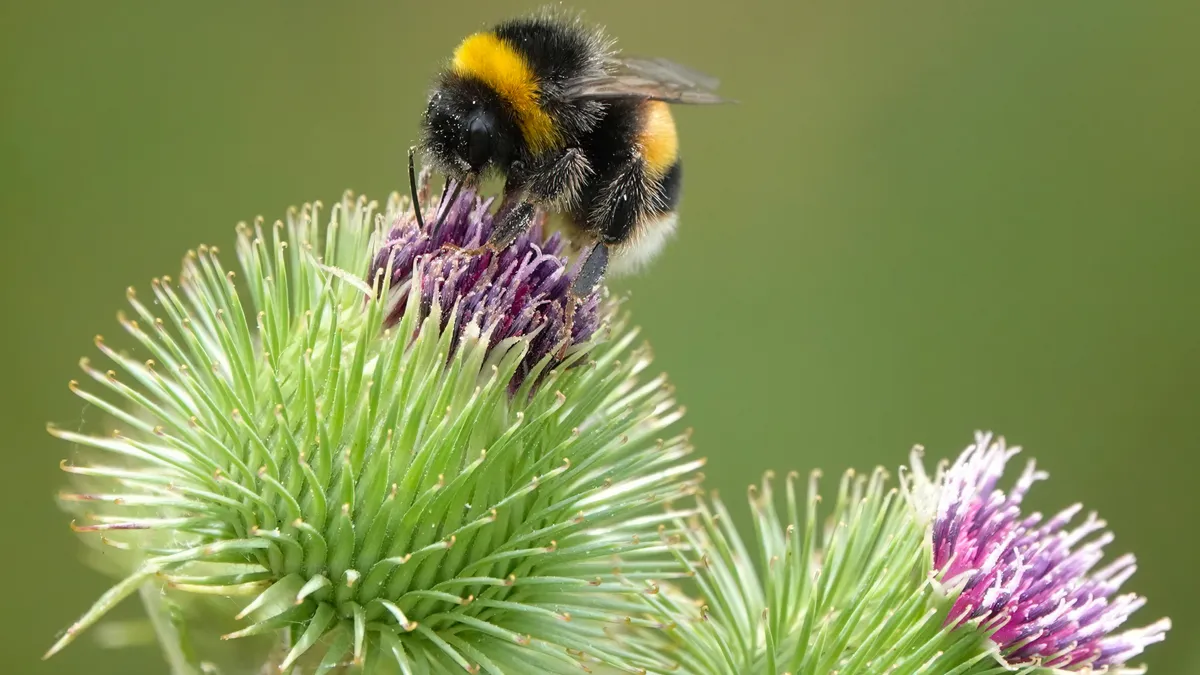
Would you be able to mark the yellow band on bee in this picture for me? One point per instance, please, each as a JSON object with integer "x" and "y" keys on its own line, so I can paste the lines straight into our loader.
{"x": 658, "y": 138}
{"x": 487, "y": 58}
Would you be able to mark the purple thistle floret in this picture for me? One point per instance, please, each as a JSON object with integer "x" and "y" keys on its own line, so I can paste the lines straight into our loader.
{"x": 520, "y": 292}
{"x": 1035, "y": 584}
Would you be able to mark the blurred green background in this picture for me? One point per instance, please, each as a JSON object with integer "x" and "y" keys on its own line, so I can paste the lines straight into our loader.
{"x": 920, "y": 220}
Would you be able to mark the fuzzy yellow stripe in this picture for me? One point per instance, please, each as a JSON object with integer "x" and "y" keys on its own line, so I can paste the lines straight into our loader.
{"x": 487, "y": 58}
{"x": 658, "y": 138}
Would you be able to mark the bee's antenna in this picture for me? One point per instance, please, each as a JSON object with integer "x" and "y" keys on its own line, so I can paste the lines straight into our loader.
{"x": 445, "y": 205}
{"x": 412, "y": 187}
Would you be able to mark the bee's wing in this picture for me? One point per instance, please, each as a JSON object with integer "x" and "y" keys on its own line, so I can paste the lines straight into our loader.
{"x": 655, "y": 79}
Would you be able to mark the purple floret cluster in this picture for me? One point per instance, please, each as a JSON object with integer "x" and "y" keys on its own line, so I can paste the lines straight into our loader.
{"x": 520, "y": 292}
{"x": 1036, "y": 585}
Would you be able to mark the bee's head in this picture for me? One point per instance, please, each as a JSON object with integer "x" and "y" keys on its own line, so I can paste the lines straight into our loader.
{"x": 467, "y": 130}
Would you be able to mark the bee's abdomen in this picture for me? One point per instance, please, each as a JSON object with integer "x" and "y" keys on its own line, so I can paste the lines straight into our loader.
{"x": 671, "y": 187}
{"x": 634, "y": 153}
{"x": 658, "y": 144}
{"x": 657, "y": 139}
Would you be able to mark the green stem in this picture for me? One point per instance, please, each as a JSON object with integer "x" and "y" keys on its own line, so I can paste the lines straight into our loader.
{"x": 168, "y": 625}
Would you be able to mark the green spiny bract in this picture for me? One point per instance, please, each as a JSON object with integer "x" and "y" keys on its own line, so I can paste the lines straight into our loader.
{"x": 846, "y": 594}
{"x": 379, "y": 496}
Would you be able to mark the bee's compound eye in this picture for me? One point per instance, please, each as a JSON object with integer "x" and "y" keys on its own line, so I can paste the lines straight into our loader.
{"x": 479, "y": 141}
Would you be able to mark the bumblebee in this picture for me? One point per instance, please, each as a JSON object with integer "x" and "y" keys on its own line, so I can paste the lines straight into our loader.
{"x": 573, "y": 128}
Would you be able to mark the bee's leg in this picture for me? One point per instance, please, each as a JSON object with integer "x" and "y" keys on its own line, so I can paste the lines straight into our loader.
{"x": 511, "y": 219}
{"x": 444, "y": 205}
{"x": 591, "y": 272}
{"x": 613, "y": 214}
{"x": 590, "y": 275}
{"x": 568, "y": 326}
{"x": 512, "y": 223}
{"x": 560, "y": 179}
{"x": 508, "y": 201}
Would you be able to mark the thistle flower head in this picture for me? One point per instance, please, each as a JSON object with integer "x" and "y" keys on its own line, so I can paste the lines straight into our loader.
{"x": 522, "y": 291}
{"x": 402, "y": 475}
{"x": 1034, "y": 585}
{"x": 804, "y": 598}
{"x": 853, "y": 593}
